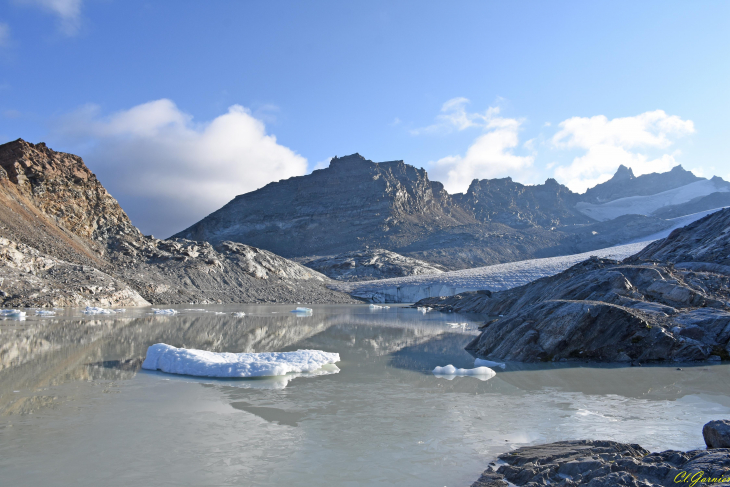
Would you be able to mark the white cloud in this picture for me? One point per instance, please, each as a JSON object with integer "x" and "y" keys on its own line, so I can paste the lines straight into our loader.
{"x": 638, "y": 142}
{"x": 324, "y": 164}
{"x": 454, "y": 116}
{"x": 68, "y": 12}
{"x": 169, "y": 172}
{"x": 4, "y": 34}
{"x": 489, "y": 156}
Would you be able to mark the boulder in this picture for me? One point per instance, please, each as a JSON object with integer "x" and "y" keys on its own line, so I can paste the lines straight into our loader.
{"x": 717, "y": 434}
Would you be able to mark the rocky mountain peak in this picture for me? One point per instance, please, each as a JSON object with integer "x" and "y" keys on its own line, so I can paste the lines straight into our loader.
{"x": 63, "y": 188}
{"x": 623, "y": 173}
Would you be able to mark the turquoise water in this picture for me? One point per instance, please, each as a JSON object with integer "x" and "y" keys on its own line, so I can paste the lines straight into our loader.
{"x": 75, "y": 408}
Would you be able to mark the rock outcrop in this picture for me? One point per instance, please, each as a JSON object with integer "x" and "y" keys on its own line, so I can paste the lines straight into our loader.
{"x": 65, "y": 241}
{"x": 356, "y": 204}
{"x": 604, "y": 310}
{"x": 717, "y": 434}
{"x": 368, "y": 265}
{"x": 606, "y": 464}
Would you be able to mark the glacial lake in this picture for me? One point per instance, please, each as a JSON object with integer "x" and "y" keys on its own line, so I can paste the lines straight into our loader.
{"x": 77, "y": 410}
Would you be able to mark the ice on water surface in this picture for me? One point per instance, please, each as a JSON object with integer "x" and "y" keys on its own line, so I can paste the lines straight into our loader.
{"x": 164, "y": 311}
{"x": 480, "y": 362}
{"x": 202, "y": 363}
{"x": 301, "y": 311}
{"x": 483, "y": 373}
{"x": 93, "y": 310}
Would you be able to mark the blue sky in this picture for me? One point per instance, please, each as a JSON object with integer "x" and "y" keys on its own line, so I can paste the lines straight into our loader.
{"x": 179, "y": 105}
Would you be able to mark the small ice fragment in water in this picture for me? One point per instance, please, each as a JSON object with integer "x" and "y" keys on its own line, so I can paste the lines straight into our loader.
{"x": 482, "y": 373}
{"x": 210, "y": 364}
{"x": 480, "y": 362}
{"x": 194, "y": 309}
{"x": 45, "y": 312}
{"x": 220, "y": 313}
{"x": 424, "y": 309}
{"x": 302, "y": 311}
{"x": 120, "y": 310}
{"x": 377, "y": 306}
{"x": 239, "y": 314}
{"x": 168, "y": 311}
{"x": 93, "y": 310}
{"x": 463, "y": 326}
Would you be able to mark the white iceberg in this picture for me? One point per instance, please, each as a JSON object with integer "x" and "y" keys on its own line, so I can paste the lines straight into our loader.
{"x": 45, "y": 312}
{"x": 424, "y": 309}
{"x": 482, "y": 373}
{"x": 202, "y": 363}
{"x": 302, "y": 311}
{"x": 13, "y": 313}
{"x": 120, "y": 310}
{"x": 164, "y": 311}
{"x": 480, "y": 362}
{"x": 239, "y": 314}
{"x": 377, "y": 306}
{"x": 93, "y": 310}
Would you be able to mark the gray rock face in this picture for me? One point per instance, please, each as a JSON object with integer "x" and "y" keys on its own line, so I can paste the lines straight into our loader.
{"x": 603, "y": 310}
{"x": 624, "y": 184}
{"x": 604, "y": 464}
{"x": 706, "y": 240}
{"x": 368, "y": 265}
{"x": 64, "y": 241}
{"x": 717, "y": 434}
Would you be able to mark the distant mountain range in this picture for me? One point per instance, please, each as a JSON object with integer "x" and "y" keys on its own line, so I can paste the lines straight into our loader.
{"x": 356, "y": 204}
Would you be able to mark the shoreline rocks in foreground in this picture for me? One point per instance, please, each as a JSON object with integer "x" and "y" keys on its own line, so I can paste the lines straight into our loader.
{"x": 612, "y": 464}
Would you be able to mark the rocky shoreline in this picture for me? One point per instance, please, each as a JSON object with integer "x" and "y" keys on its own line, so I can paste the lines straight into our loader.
{"x": 594, "y": 463}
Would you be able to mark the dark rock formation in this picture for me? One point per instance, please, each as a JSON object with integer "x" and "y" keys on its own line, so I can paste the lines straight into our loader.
{"x": 603, "y": 310}
{"x": 514, "y": 204}
{"x": 717, "y": 434}
{"x": 368, "y": 265}
{"x": 707, "y": 240}
{"x": 69, "y": 243}
{"x": 624, "y": 184}
{"x": 605, "y": 464}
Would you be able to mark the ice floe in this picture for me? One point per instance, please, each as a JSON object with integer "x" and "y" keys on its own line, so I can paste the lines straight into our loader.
{"x": 168, "y": 311}
{"x": 480, "y": 362}
{"x": 120, "y": 310}
{"x": 301, "y": 311}
{"x": 376, "y": 306}
{"x": 202, "y": 363}
{"x": 424, "y": 309}
{"x": 482, "y": 373}
{"x": 239, "y": 314}
{"x": 45, "y": 312}
{"x": 93, "y": 310}
{"x": 13, "y": 313}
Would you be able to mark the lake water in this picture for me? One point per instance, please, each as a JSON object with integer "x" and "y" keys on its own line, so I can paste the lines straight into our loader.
{"x": 75, "y": 408}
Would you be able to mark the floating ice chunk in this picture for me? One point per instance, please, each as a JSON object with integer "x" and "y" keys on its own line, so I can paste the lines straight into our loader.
{"x": 300, "y": 311}
{"x": 210, "y": 364}
{"x": 377, "y": 306}
{"x": 13, "y": 313}
{"x": 120, "y": 310}
{"x": 483, "y": 373}
{"x": 424, "y": 309}
{"x": 219, "y": 313}
{"x": 194, "y": 309}
{"x": 45, "y": 312}
{"x": 480, "y": 362}
{"x": 463, "y": 326}
{"x": 164, "y": 311}
{"x": 93, "y": 310}
{"x": 239, "y": 314}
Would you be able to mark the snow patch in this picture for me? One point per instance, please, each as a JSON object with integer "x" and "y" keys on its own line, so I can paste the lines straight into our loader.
{"x": 202, "y": 363}
{"x": 646, "y": 205}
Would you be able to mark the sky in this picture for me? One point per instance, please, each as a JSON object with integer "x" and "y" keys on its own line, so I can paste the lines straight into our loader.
{"x": 178, "y": 106}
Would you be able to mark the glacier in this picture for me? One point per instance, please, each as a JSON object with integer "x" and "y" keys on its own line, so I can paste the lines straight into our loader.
{"x": 202, "y": 363}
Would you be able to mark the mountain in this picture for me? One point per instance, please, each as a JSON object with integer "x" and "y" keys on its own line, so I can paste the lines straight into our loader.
{"x": 65, "y": 241}
{"x": 371, "y": 264}
{"x": 356, "y": 204}
{"x": 624, "y": 184}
